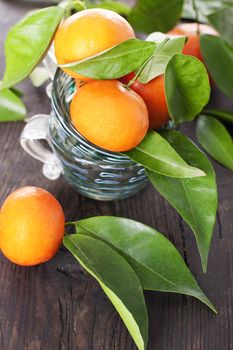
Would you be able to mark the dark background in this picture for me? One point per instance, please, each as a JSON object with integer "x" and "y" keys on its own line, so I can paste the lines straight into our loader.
{"x": 58, "y": 306}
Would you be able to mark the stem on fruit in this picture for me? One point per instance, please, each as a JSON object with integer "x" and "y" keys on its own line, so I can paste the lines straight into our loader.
{"x": 196, "y": 16}
{"x": 139, "y": 72}
{"x": 157, "y": 50}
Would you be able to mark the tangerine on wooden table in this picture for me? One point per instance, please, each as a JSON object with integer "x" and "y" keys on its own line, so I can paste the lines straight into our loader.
{"x": 109, "y": 115}
{"x": 88, "y": 33}
{"x": 31, "y": 226}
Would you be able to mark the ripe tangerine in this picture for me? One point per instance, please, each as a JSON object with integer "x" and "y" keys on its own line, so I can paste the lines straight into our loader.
{"x": 88, "y": 33}
{"x": 109, "y": 115}
{"x": 31, "y": 226}
{"x": 192, "y": 46}
{"x": 153, "y": 94}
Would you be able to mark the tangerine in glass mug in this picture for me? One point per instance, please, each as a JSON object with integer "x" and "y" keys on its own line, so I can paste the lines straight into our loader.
{"x": 91, "y": 170}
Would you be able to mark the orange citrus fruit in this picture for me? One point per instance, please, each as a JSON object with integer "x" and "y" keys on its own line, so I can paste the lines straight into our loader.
{"x": 192, "y": 47}
{"x": 153, "y": 94}
{"x": 31, "y": 226}
{"x": 109, "y": 115}
{"x": 88, "y": 33}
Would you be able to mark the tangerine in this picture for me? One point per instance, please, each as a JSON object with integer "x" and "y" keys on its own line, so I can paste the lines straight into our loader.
{"x": 153, "y": 94}
{"x": 109, "y": 115}
{"x": 31, "y": 226}
{"x": 192, "y": 46}
{"x": 88, "y": 33}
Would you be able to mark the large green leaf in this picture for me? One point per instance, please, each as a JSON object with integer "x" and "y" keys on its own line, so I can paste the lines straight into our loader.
{"x": 204, "y": 8}
{"x": 225, "y": 116}
{"x": 215, "y": 139}
{"x": 156, "y": 154}
{"x": 155, "y": 15}
{"x": 155, "y": 260}
{"x": 115, "y": 62}
{"x": 162, "y": 54}
{"x": 195, "y": 199}
{"x": 218, "y": 56}
{"x": 11, "y": 107}
{"x": 27, "y": 43}
{"x": 187, "y": 87}
{"x": 222, "y": 21}
{"x": 117, "y": 279}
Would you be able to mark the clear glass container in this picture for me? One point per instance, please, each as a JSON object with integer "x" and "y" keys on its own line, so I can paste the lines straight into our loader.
{"x": 92, "y": 171}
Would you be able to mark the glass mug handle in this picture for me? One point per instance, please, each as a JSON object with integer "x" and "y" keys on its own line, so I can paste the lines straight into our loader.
{"x": 34, "y": 131}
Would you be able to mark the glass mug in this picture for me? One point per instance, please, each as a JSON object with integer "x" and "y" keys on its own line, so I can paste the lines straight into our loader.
{"x": 92, "y": 171}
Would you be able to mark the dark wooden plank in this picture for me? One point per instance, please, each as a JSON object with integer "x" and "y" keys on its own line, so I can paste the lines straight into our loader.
{"x": 58, "y": 306}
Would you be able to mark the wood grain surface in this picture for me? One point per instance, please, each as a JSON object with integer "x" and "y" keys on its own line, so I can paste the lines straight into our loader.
{"x": 58, "y": 306}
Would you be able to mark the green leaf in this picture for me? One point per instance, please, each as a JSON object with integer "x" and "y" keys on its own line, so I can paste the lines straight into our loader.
{"x": 218, "y": 57}
{"x": 225, "y": 116}
{"x": 115, "y": 62}
{"x": 155, "y": 260}
{"x": 11, "y": 107}
{"x": 155, "y": 15}
{"x": 187, "y": 87}
{"x": 194, "y": 199}
{"x": 117, "y": 279}
{"x": 222, "y": 21}
{"x": 162, "y": 54}
{"x": 28, "y": 41}
{"x": 204, "y": 8}
{"x": 215, "y": 139}
{"x": 116, "y": 6}
{"x": 156, "y": 154}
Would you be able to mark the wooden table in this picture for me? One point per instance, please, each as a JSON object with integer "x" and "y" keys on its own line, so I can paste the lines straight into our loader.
{"x": 58, "y": 306}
